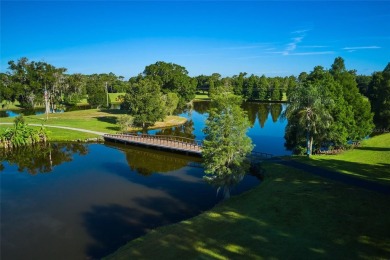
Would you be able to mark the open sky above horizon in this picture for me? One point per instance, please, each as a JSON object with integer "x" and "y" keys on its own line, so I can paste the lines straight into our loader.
{"x": 272, "y": 38}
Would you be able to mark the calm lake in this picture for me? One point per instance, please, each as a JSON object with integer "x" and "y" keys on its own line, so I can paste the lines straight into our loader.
{"x": 83, "y": 201}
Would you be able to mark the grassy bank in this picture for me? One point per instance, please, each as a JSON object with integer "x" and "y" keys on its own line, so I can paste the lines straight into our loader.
{"x": 291, "y": 215}
{"x": 201, "y": 97}
{"x": 91, "y": 119}
{"x": 370, "y": 161}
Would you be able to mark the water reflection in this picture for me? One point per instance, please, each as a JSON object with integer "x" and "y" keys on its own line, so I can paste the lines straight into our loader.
{"x": 39, "y": 111}
{"x": 96, "y": 202}
{"x": 224, "y": 183}
{"x": 185, "y": 130}
{"x": 266, "y": 128}
{"x": 147, "y": 161}
{"x": 41, "y": 158}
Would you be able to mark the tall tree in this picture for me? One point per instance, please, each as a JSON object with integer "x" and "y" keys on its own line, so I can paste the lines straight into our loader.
{"x": 226, "y": 144}
{"x": 362, "y": 119}
{"x": 145, "y": 103}
{"x": 379, "y": 95}
{"x": 308, "y": 115}
{"x": 172, "y": 78}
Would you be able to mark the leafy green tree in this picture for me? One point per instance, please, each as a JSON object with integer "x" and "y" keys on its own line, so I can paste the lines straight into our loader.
{"x": 275, "y": 90}
{"x": 379, "y": 95}
{"x": 262, "y": 88}
{"x": 124, "y": 122}
{"x": 226, "y": 144}
{"x": 360, "y": 110}
{"x": 6, "y": 92}
{"x": 171, "y": 102}
{"x": 238, "y": 83}
{"x": 172, "y": 78}
{"x": 97, "y": 94}
{"x": 145, "y": 103}
{"x": 363, "y": 82}
{"x": 75, "y": 88}
{"x": 308, "y": 115}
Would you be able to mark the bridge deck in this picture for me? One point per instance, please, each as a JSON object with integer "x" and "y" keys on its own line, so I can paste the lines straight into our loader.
{"x": 170, "y": 143}
{"x": 178, "y": 144}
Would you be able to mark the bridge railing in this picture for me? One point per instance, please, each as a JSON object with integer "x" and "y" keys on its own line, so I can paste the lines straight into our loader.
{"x": 261, "y": 155}
{"x": 164, "y": 140}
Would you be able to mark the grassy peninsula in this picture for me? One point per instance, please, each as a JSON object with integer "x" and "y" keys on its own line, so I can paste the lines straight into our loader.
{"x": 292, "y": 214}
{"x": 92, "y": 119}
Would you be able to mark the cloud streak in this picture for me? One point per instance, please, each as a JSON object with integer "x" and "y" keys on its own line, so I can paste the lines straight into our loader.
{"x": 361, "y": 48}
{"x": 312, "y": 53}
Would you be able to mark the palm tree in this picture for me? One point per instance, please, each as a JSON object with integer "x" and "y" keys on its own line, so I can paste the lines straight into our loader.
{"x": 309, "y": 109}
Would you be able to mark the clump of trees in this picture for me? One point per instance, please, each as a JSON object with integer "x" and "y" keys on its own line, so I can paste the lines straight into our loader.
{"x": 326, "y": 109}
{"x": 226, "y": 144}
{"x": 27, "y": 81}
{"x": 378, "y": 91}
{"x": 20, "y": 135}
{"x": 249, "y": 88}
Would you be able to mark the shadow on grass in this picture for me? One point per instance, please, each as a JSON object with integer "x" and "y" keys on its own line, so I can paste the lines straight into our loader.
{"x": 107, "y": 119}
{"x": 292, "y": 215}
{"x": 378, "y": 149}
{"x": 374, "y": 173}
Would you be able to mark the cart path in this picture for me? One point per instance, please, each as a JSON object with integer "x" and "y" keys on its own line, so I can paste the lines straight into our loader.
{"x": 64, "y": 127}
{"x": 336, "y": 176}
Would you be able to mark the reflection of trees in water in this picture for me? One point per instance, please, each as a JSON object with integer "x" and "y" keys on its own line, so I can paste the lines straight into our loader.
{"x": 262, "y": 113}
{"x": 146, "y": 161}
{"x": 276, "y": 110}
{"x": 202, "y": 106}
{"x": 224, "y": 182}
{"x": 251, "y": 110}
{"x": 42, "y": 158}
{"x": 184, "y": 130}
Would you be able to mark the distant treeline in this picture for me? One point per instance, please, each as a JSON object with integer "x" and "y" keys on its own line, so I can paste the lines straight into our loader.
{"x": 26, "y": 82}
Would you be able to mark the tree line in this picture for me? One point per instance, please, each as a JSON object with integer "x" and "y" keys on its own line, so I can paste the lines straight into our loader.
{"x": 162, "y": 87}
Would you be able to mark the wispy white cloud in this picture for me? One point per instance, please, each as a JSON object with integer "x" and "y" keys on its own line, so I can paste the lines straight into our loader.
{"x": 314, "y": 46}
{"x": 300, "y": 31}
{"x": 362, "y": 48}
{"x": 290, "y": 47}
{"x": 312, "y": 53}
{"x": 293, "y": 45}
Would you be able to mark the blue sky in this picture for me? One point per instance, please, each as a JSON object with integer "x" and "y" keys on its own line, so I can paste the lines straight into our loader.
{"x": 272, "y": 38}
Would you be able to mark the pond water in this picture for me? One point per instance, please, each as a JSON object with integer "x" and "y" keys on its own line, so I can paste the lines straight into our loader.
{"x": 83, "y": 201}
{"x": 266, "y": 131}
{"x": 38, "y": 111}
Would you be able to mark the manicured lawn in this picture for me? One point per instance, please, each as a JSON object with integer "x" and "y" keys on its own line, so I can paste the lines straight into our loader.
{"x": 55, "y": 134}
{"x": 291, "y": 215}
{"x": 370, "y": 161}
{"x": 202, "y": 97}
{"x": 4, "y": 105}
{"x": 91, "y": 119}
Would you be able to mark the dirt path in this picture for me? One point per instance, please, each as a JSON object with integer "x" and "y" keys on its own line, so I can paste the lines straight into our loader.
{"x": 336, "y": 176}
{"x": 64, "y": 127}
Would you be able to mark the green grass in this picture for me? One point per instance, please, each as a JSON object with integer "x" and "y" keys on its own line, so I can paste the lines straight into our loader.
{"x": 202, "y": 97}
{"x": 55, "y": 134}
{"x": 5, "y": 105}
{"x": 284, "y": 98}
{"x": 370, "y": 161}
{"x": 291, "y": 215}
{"x": 91, "y": 119}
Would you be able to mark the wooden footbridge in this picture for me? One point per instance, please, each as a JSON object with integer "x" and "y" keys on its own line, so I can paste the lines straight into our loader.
{"x": 163, "y": 142}
{"x": 170, "y": 143}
